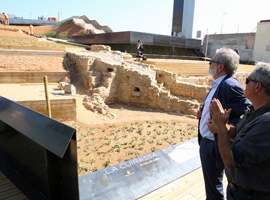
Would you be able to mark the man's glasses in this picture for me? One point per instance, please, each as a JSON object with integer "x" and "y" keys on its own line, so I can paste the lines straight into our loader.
{"x": 253, "y": 80}
{"x": 213, "y": 61}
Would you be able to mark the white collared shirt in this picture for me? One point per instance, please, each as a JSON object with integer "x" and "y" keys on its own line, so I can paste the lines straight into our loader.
{"x": 205, "y": 132}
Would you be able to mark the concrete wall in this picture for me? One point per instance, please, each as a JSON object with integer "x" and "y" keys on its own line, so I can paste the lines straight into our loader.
{"x": 262, "y": 42}
{"x": 131, "y": 37}
{"x": 244, "y": 42}
{"x": 153, "y": 43}
{"x": 61, "y": 109}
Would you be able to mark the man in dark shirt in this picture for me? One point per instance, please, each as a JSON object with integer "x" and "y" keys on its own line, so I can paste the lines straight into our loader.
{"x": 245, "y": 149}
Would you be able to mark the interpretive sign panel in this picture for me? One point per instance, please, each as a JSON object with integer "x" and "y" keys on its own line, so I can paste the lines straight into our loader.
{"x": 137, "y": 177}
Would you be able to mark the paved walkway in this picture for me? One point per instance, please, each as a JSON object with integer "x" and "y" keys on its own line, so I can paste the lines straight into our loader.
{"x": 8, "y": 190}
{"x": 188, "y": 187}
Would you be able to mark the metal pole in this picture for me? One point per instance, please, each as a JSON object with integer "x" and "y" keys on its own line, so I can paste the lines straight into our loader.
{"x": 45, "y": 79}
{"x": 206, "y": 46}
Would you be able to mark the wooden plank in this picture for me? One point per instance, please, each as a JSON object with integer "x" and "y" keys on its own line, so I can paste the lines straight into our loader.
{"x": 20, "y": 196}
{"x": 6, "y": 186}
{"x": 8, "y": 191}
{"x": 190, "y": 186}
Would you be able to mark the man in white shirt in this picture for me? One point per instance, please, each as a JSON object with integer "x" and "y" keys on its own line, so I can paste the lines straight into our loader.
{"x": 231, "y": 95}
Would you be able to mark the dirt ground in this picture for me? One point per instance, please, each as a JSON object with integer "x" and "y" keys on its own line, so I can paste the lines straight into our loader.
{"x": 30, "y": 63}
{"x": 103, "y": 141}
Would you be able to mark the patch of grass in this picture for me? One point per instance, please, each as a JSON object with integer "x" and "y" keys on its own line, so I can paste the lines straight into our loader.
{"x": 56, "y": 35}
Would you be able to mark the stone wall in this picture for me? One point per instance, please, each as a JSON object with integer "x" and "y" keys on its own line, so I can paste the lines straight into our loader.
{"x": 182, "y": 87}
{"x": 198, "y": 80}
{"x": 241, "y": 77}
{"x": 116, "y": 78}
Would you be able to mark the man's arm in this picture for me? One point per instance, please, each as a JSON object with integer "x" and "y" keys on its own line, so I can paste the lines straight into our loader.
{"x": 231, "y": 132}
{"x": 225, "y": 132}
{"x": 224, "y": 146}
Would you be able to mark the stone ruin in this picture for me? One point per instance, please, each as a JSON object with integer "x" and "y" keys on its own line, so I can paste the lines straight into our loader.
{"x": 114, "y": 77}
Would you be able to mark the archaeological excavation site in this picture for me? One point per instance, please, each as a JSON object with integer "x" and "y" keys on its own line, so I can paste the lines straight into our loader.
{"x": 113, "y": 77}
{"x": 102, "y": 116}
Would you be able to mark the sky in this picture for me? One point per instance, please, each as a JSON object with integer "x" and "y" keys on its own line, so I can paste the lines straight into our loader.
{"x": 150, "y": 16}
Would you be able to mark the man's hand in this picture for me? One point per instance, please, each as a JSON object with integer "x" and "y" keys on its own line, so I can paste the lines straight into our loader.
{"x": 212, "y": 127}
{"x": 219, "y": 115}
{"x": 199, "y": 112}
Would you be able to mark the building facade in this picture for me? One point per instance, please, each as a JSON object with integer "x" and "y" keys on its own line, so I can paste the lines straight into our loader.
{"x": 183, "y": 14}
{"x": 243, "y": 42}
{"x": 262, "y": 42}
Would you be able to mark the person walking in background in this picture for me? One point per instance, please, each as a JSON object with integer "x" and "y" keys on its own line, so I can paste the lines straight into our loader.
{"x": 245, "y": 148}
{"x": 5, "y": 19}
{"x": 231, "y": 94}
{"x": 140, "y": 50}
{"x": 31, "y": 30}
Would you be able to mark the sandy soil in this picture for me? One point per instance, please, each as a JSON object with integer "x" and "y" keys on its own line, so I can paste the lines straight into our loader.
{"x": 133, "y": 133}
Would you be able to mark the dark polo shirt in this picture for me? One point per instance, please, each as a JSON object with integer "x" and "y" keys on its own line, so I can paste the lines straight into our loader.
{"x": 251, "y": 152}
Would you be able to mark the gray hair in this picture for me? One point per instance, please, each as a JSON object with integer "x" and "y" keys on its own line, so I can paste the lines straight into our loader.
{"x": 229, "y": 58}
{"x": 262, "y": 73}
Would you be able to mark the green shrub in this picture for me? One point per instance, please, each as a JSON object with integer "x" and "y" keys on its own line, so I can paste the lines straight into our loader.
{"x": 247, "y": 62}
{"x": 64, "y": 22}
{"x": 57, "y": 35}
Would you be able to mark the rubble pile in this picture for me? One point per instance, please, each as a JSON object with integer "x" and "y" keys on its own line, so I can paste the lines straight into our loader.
{"x": 95, "y": 103}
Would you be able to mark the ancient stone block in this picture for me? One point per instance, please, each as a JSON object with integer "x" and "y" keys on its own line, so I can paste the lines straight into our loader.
{"x": 70, "y": 89}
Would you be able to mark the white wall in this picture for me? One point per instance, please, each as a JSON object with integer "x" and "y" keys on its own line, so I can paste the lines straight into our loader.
{"x": 262, "y": 42}
{"x": 244, "y": 42}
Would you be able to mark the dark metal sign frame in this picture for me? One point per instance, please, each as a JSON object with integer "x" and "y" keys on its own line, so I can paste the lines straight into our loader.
{"x": 38, "y": 153}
